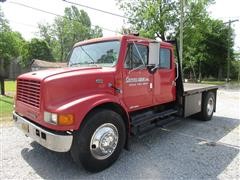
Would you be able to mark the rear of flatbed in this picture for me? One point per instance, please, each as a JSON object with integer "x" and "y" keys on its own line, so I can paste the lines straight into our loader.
{"x": 194, "y": 95}
{"x": 193, "y": 98}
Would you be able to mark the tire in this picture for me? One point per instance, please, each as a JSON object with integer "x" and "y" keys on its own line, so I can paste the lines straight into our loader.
{"x": 95, "y": 153}
{"x": 208, "y": 106}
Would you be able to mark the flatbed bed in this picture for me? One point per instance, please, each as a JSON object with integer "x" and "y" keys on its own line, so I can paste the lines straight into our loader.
{"x": 193, "y": 88}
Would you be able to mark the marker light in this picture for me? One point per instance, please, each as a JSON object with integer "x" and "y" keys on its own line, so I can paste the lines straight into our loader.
{"x": 65, "y": 119}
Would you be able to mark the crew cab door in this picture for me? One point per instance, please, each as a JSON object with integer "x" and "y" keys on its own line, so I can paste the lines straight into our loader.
{"x": 137, "y": 81}
{"x": 164, "y": 78}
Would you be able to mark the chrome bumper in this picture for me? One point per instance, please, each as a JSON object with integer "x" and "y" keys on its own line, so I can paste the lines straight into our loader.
{"x": 52, "y": 141}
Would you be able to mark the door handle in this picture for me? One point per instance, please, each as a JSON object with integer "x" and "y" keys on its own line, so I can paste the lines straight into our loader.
{"x": 150, "y": 85}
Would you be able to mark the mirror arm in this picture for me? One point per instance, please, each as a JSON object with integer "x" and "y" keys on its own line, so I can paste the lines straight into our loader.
{"x": 153, "y": 69}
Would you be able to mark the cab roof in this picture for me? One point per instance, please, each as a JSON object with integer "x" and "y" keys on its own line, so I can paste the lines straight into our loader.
{"x": 120, "y": 37}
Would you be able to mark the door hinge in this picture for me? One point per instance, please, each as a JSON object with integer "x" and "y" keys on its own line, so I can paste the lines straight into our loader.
{"x": 173, "y": 83}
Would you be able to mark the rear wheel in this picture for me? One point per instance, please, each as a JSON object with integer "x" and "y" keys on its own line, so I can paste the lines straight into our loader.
{"x": 208, "y": 106}
{"x": 99, "y": 141}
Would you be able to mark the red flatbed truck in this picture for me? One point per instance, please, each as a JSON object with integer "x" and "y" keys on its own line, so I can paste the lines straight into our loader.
{"x": 113, "y": 88}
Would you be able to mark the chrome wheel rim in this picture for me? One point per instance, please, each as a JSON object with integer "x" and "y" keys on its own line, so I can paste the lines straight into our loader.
{"x": 104, "y": 141}
{"x": 210, "y": 106}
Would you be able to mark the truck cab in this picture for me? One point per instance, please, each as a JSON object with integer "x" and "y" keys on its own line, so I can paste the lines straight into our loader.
{"x": 112, "y": 88}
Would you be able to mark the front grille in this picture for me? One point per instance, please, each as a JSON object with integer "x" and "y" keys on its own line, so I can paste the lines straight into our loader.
{"x": 28, "y": 91}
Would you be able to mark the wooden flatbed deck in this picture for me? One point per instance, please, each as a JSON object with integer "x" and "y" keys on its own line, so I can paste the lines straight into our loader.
{"x": 192, "y": 88}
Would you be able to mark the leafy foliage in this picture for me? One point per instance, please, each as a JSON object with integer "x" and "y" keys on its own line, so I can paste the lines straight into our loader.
{"x": 150, "y": 17}
{"x": 216, "y": 41}
{"x": 35, "y": 49}
{"x": 74, "y": 26}
{"x": 10, "y": 44}
{"x": 195, "y": 25}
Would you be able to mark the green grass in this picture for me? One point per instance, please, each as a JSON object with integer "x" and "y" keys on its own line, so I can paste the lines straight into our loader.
{"x": 232, "y": 84}
{"x": 214, "y": 82}
{"x": 10, "y": 86}
{"x": 6, "y": 107}
{"x": 6, "y": 102}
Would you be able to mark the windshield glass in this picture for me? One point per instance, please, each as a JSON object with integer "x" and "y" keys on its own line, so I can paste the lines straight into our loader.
{"x": 103, "y": 54}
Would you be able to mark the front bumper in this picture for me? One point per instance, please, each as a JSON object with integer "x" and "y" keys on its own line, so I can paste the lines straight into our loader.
{"x": 50, "y": 140}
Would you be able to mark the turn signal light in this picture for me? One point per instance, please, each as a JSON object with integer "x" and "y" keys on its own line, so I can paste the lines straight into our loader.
{"x": 65, "y": 119}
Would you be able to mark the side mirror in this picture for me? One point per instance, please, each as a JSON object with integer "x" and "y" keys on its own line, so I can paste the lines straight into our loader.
{"x": 153, "y": 59}
{"x": 154, "y": 48}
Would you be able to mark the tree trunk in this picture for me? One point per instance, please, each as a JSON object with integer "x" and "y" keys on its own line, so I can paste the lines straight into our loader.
{"x": 2, "y": 86}
{"x": 199, "y": 72}
{"x": 220, "y": 73}
{"x": 2, "y": 75}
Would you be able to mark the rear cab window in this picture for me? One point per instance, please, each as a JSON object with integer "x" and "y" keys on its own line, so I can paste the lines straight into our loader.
{"x": 165, "y": 58}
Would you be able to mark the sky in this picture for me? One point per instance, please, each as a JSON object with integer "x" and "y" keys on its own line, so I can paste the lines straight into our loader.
{"x": 26, "y": 20}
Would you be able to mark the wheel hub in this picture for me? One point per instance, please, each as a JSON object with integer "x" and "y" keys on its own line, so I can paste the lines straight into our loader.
{"x": 104, "y": 141}
{"x": 210, "y": 106}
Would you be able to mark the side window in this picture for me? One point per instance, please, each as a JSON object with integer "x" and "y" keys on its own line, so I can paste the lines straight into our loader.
{"x": 136, "y": 55}
{"x": 165, "y": 58}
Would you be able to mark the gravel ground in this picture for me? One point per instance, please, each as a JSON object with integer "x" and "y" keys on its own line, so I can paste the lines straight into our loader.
{"x": 187, "y": 149}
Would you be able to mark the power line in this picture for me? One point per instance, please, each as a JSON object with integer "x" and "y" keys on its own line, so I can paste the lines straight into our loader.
{"x": 230, "y": 17}
{"x": 30, "y": 7}
{"x": 54, "y": 14}
{"x": 96, "y": 9}
{"x": 23, "y": 24}
{"x": 104, "y": 11}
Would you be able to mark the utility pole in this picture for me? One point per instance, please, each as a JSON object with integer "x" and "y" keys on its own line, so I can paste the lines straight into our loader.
{"x": 182, "y": 4}
{"x": 238, "y": 71}
{"x": 228, "y": 54}
{"x": 2, "y": 88}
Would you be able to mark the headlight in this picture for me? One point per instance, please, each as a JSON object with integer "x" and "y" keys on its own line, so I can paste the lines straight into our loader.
{"x": 58, "y": 119}
{"x": 51, "y": 118}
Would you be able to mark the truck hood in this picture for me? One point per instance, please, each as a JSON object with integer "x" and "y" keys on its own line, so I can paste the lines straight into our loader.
{"x": 61, "y": 85}
{"x": 43, "y": 74}
{"x": 59, "y": 88}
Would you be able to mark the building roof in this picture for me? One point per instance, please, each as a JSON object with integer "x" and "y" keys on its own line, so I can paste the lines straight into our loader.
{"x": 47, "y": 64}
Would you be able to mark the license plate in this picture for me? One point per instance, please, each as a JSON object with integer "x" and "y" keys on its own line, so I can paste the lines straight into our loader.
{"x": 25, "y": 127}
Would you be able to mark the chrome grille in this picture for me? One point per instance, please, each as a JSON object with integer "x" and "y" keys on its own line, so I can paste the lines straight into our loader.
{"x": 28, "y": 91}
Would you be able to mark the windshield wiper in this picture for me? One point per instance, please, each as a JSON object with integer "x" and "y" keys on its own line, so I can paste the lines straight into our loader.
{"x": 93, "y": 62}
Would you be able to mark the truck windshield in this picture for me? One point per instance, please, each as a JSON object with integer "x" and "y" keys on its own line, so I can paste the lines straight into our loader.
{"x": 103, "y": 54}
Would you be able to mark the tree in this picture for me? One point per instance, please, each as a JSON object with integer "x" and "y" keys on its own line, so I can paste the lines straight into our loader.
{"x": 216, "y": 42}
{"x": 96, "y": 32}
{"x": 236, "y": 67}
{"x": 10, "y": 45}
{"x": 196, "y": 24}
{"x": 35, "y": 49}
{"x": 150, "y": 17}
{"x": 74, "y": 26}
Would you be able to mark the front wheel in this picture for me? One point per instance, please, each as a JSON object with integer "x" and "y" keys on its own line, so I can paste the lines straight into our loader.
{"x": 99, "y": 141}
